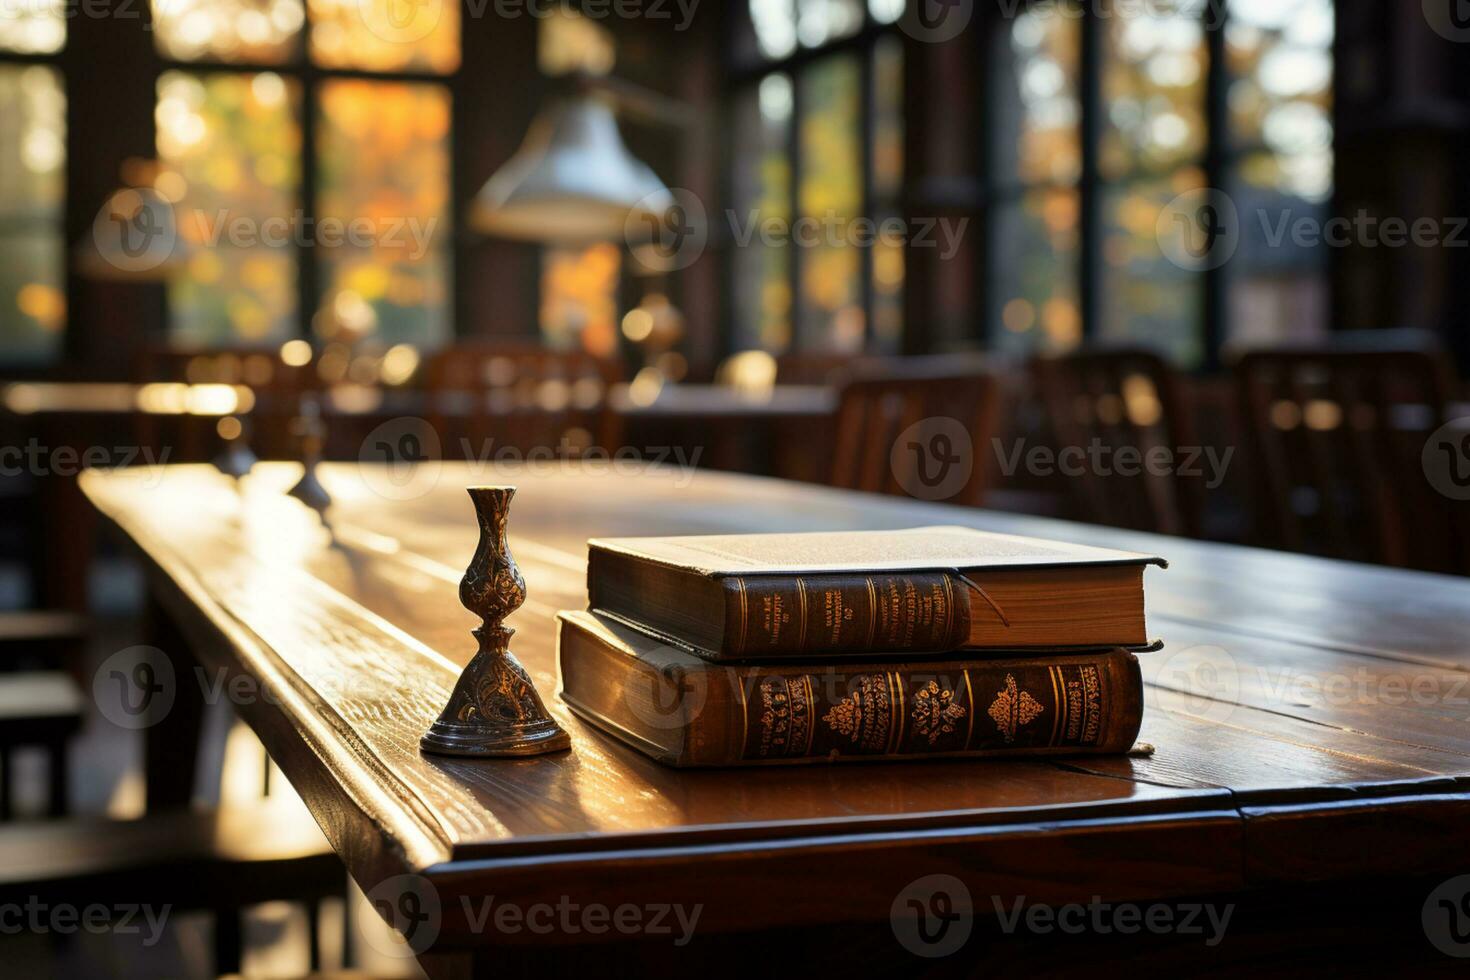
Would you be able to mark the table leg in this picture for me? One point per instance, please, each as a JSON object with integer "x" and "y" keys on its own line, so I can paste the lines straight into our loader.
{"x": 171, "y": 742}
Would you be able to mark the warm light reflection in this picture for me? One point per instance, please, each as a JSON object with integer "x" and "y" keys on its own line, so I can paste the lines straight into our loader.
{"x": 256, "y": 31}
{"x": 178, "y": 398}
{"x": 399, "y": 364}
{"x": 645, "y": 387}
{"x": 296, "y": 353}
{"x": 752, "y": 372}
{"x": 385, "y": 35}
{"x": 33, "y": 26}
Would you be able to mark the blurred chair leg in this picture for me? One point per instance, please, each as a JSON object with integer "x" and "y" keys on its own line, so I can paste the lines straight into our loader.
{"x": 7, "y": 756}
{"x": 314, "y": 933}
{"x": 56, "y": 758}
{"x": 228, "y": 940}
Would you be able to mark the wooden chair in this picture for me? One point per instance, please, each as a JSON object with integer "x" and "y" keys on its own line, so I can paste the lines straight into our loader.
{"x": 38, "y": 709}
{"x": 40, "y": 704}
{"x": 815, "y": 368}
{"x": 222, "y": 860}
{"x": 1336, "y": 436}
{"x": 218, "y": 860}
{"x": 277, "y": 388}
{"x": 1123, "y": 399}
{"x": 522, "y": 397}
{"x": 875, "y": 410}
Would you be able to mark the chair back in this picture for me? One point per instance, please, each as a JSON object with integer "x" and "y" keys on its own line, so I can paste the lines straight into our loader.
{"x": 875, "y": 410}
{"x": 276, "y": 386}
{"x": 1337, "y": 436}
{"x": 1128, "y": 402}
{"x": 485, "y": 397}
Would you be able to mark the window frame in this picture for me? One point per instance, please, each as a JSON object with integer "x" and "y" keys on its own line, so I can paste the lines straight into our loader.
{"x": 310, "y": 79}
{"x": 742, "y": 80}
{"x": 1217, "y": 162}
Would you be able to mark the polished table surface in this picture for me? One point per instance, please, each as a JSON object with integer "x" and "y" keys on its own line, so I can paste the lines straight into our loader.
{"x": 1307, "y": 716}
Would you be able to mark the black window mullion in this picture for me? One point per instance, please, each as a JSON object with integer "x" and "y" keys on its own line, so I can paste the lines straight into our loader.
{"x": 1089, "y": 258}
{"x": 863, "y": 44}
{"x": 1217, "y": 159}
{"x": 793, "y": 266}
{"x": 307, "y": 278}
{"x": 866, "y": 134}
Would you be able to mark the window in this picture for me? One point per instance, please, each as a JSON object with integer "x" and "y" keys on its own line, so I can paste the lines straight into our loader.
{"x": 1154, "y": 134}
{"x": 1159, "y": 139}
{"x": 817, "y": 167}
{"x": 1279, "y": 163}
{"x": 1036, "y": 203}
{"x": 32, "y": 185}
{"x": 313, "y": 194}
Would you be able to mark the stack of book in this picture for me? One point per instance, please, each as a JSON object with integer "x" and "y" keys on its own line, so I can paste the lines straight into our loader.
{"x": 782, "y": 648}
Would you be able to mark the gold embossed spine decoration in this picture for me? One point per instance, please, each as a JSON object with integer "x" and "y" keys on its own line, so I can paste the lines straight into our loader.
{"x": 765, "y": 714}
{"x": 494, "y": 710}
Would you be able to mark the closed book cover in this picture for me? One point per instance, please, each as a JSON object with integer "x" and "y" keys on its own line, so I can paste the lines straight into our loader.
{"x": 686, "y": 711}
{"x": 921, "y": 590}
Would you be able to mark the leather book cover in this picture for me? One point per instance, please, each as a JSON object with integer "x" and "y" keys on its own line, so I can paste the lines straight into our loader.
{"x": 913, "y": 591}
{"x": 686, "y": 711}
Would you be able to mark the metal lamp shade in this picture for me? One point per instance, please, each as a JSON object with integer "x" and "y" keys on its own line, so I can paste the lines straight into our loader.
{"x": 572, "y": 180}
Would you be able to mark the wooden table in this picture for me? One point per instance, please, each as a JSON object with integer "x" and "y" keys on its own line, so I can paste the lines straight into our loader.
{"x": 1309, "y": 719}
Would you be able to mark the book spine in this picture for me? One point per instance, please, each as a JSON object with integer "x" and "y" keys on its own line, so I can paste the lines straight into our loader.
{"x": 781, "y": 615}
{"x": 1071, "y": 705}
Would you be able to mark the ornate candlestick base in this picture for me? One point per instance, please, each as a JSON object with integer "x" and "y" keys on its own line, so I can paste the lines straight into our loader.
{"x": 494, "y": 710}
{"x": 308, "y": 426}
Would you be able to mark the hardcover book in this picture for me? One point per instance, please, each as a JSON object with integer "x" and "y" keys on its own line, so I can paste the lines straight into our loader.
{"x": 686, "y": 711}
{"x": 922, "y": 590}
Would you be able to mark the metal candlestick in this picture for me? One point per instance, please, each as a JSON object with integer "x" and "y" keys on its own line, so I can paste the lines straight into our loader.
{"x": 313, "y": 434}
{"x": 494, "y": 710}
{"x": 236, "y": 459}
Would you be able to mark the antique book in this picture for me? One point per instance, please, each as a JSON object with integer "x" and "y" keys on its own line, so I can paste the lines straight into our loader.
{"x": 686, "y": 711}
{"x": 921, "y": 590}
